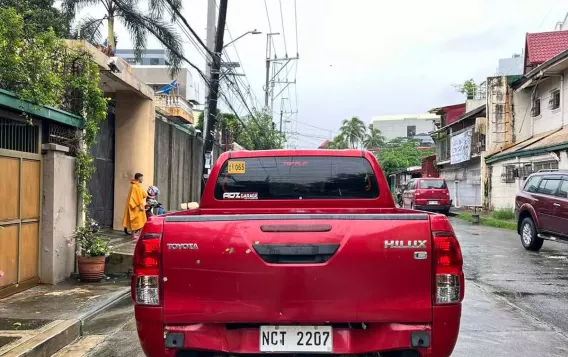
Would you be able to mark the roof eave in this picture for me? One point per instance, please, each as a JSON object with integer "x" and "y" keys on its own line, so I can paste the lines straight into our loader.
{"x": 525, "y": 153}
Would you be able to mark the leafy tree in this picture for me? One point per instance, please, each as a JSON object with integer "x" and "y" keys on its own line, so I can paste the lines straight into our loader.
{"x": 39, "y": 16}
{"x": 338, "y": 143}
{"x": 138, "y": 22}
{"x": 26, "y": 65}
{"x": 261, "y": 132}
{"x": 199, "y": 124}
{"x": 353, "y": 130}
{"x": 468, "y": 88}
{"x": 400, "y": 153}
{"x": 257, "y": 134}
{"x": 373, "y": 139}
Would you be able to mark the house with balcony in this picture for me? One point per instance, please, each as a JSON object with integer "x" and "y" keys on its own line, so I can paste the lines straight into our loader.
{"x": 460, "y": 142}
{"x": 526, "y": 119}
{"x": 153, "y": 69}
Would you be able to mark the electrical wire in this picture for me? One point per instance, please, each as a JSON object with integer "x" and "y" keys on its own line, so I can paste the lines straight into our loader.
{"x": 283, "y": 30}
{"x": 269, "y": 27}
{"x": 296, "y": 25}
{"x": 179, "y": 15}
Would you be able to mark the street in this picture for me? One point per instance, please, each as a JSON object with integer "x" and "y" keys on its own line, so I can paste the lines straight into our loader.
{"x": 515, "y": 301}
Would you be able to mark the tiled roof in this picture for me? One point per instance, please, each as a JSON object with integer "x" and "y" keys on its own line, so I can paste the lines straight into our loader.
{"x": 543, "y": 46}
{"x": 324, "y": 145}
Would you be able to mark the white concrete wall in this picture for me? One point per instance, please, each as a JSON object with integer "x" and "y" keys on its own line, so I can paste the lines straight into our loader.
{"x": 522, "y": 120}
{"x": 392, "y": 129}
{"x": 467, "y": 190}
{"x": 59, "y": 215}
{"x": 548, "y": 119}
{"x": 502, "y": 195}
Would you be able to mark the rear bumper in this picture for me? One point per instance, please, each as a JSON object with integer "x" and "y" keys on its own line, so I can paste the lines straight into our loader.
{"x": 433, "y": 208}
{"x": 377, "y": 337}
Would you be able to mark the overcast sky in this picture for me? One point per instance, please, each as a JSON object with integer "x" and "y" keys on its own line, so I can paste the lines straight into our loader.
{"x": 368, "y": 57}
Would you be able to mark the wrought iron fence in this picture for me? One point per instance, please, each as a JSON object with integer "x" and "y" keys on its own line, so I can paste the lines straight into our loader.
{"x": 19, "y": 136}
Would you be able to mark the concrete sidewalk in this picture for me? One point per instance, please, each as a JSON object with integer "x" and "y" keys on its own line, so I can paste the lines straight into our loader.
{"x": 42, "y": 320}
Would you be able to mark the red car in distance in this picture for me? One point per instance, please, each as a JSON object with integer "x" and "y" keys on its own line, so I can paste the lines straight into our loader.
{"x": 427, "y": 194}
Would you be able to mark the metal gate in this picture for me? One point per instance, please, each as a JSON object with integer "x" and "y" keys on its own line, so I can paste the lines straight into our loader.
{"x": 20, "y": 189}
{"x": 101, "y": 185}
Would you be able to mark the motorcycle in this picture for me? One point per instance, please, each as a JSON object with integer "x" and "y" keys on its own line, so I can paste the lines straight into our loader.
{"x": 151, "y": 205}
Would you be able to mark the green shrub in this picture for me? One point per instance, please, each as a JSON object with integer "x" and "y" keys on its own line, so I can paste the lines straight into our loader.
{"x": 503, "y": 214}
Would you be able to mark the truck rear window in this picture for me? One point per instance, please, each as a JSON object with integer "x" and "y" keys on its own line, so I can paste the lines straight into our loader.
{"x": 289, "y": 178}
{"x": 433, "y": 184}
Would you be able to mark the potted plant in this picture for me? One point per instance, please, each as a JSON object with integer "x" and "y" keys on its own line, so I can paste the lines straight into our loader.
{"x": 94, "y": 248}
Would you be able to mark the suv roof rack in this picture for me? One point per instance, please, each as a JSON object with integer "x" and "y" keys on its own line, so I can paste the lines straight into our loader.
{"x": 553, "y": 170}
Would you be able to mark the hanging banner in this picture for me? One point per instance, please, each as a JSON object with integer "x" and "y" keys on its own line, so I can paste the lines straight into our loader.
{"x": 461, "y": 147}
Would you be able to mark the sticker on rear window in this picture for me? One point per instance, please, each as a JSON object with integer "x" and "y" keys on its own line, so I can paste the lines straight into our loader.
{"x": 236, "y": 167}
{"x": 240, "y": 195}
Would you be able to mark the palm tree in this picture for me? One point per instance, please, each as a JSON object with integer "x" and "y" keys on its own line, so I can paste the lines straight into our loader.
{"x": 139, "y": 23}
{"x": 353, "y": 130}
{"x": 338, "y": 143}
{"x": 374, "y": 138}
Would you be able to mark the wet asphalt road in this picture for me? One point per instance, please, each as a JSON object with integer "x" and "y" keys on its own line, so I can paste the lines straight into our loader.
{"x": 516, "y": 301}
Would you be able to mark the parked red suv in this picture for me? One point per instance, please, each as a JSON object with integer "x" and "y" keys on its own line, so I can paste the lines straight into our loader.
{"x": 541, "y": 208}
{"x": 427, "y": 194}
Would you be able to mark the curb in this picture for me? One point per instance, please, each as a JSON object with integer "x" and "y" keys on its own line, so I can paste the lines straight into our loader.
{"x": 112, "y": 299}
{"x": 48, "y": 342}
{"x": 64, "y": 332}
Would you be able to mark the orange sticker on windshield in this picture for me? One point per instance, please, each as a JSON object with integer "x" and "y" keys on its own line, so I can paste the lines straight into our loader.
{"x": 236, "y": 167}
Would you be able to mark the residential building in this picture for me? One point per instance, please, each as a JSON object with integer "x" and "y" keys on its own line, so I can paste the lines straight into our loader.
{"x": 406, "y": 125}
{"x": 562, "y": 25}
{"x": 460, "y": 142}
{"x": 39, "y": 180}
{"x": 526, "y": 120}
{"x": 153, "y": 69}
{"x": 510, "y": 66}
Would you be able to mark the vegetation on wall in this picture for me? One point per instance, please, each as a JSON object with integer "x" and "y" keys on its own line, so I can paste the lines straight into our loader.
{"x": 40, "y": 68}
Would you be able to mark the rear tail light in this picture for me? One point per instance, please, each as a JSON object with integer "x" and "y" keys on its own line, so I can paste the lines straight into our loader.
{"x": 146, "y": 274}
{"x": 416, "y": 193}
{"x": 448, "y": 263}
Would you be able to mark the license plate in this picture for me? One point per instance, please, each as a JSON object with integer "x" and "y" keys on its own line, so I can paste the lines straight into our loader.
{"x": 432, "y": 202}
{"x": 296, "y": 339}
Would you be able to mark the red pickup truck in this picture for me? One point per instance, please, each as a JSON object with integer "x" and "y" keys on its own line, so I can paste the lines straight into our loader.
{"x": 298, "y": 252}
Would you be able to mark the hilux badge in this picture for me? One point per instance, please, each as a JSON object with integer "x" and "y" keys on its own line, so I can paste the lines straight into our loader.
{"x": 409, "y": 244}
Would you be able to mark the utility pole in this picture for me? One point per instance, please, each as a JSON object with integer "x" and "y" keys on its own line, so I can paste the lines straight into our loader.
{"x": 268, "y": 60}
{"x": 210, "y": 42}
{"x": 211, "y": 109}
{"x": 281, "y": 112}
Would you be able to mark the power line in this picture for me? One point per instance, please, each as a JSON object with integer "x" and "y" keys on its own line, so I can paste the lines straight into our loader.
{"x": 179, "y": 15}
{"x": 296, "y": 25}
{"x": 313, "y": 126}
{"x": 269, "y": 26}
{"x": 283, "y": 30}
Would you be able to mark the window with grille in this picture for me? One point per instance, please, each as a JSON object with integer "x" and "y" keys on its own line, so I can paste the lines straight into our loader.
{"x": 410, "y": 131}
{"x": 19, "y": 136}
{"x": 545, "y": 165}
{"x": 554, "y": 102}
{"x": 525, "y": 170}
{"x": 535, "y": 109}
{"x": 508, "y": 175}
